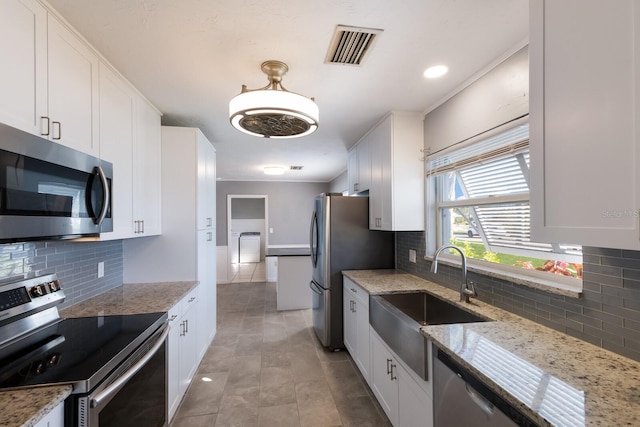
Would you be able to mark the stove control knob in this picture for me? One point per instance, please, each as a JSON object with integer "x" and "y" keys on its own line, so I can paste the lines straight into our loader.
{"x": 53, "y": 359}
{"x": 39, "y": 368}
{"x": 54, "y": 286}
{"x": 36, "y": 291}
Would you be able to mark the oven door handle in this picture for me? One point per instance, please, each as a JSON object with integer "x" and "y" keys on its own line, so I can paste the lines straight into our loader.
{"x": 122, "y": 380}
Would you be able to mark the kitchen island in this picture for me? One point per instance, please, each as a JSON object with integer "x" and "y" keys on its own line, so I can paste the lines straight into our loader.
{"x": 294, "y": 273}
{"x": 549, "y": 376}
{"x": 26, "y": 407}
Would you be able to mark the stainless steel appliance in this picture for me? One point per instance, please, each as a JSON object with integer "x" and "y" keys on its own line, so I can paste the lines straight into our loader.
{"x": 49, "y": 191}
{"x": 115, "y": 364}
{"x": 341, "y": 240}
{"x": 460, "y": 399}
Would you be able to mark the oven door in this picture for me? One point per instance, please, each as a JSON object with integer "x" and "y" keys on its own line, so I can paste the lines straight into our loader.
{"x": 134, "y": 394}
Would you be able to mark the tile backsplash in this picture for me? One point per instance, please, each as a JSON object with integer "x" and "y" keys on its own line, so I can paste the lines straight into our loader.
{"x": 75, "y": 263}
{"x": 607, "y": 314}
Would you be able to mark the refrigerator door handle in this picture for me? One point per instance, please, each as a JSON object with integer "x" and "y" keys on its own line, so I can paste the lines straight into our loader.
{"x": 313, "y": 243}
{"x": 315, "y": 288}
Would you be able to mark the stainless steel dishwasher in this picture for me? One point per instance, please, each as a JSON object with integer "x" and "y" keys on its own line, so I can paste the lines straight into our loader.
{"x": 461, "y": 400}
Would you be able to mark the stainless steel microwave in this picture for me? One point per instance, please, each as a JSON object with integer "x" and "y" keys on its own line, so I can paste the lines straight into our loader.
{"x": 49, "y": 191}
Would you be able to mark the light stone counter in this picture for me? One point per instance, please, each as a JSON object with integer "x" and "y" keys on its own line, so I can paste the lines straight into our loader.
{"x": 132, "y": 298}
{"x": 551, "y": 377}
{"x": 26, "y": 407}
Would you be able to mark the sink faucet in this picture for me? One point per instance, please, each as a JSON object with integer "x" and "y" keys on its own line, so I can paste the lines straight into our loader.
{"x": 467, "y": 290}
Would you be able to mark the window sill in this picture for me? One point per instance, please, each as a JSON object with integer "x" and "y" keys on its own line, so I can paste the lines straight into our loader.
{"x": 546, "y": 285}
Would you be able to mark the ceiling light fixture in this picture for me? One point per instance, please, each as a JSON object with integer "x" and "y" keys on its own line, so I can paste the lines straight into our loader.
{"x": 435, "y": 71}
{"x": 273, "y": 111}
{"x": 273, "y": 170}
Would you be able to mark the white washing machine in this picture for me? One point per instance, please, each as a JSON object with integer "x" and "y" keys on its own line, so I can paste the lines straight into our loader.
{"x": 250, "y": 246}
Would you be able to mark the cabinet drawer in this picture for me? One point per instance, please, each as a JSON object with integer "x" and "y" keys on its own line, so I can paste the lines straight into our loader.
{"x": 189, "y": 300}
{"x": 357, "y": 292}
{"x": 174, "y": 314}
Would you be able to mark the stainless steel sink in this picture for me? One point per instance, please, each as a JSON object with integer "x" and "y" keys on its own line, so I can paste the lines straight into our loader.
{"x": 397, "y": 318}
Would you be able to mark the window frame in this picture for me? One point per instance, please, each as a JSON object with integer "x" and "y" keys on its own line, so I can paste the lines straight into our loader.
{"x": 550, "y": 282}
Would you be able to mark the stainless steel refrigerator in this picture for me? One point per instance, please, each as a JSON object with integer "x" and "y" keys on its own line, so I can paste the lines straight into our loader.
{"x": 341, "y": 240}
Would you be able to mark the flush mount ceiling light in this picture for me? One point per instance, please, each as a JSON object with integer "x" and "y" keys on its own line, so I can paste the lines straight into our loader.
{"x": 435, "y": 71}
{"x": 273, "y": 170}
{"x": 273, "y": 111}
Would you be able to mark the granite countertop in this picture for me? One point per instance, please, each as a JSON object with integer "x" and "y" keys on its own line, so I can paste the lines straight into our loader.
{"x": 551, "y": 377}
{"x": 24, "y": 408}
{"x": 296, "y": 251}
{"x": 131, "y": 299}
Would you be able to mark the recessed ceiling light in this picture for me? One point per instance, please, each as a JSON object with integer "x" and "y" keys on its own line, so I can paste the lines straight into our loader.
{"x": 435, "y": 71}
{"x": 273, "y": 170}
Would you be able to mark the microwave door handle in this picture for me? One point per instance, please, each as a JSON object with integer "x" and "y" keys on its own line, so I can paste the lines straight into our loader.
{"x": 105, "y": 195}
{"x": 121, "y": 381}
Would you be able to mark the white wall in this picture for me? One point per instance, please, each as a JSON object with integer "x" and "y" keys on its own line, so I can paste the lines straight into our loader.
{"x": 496, "y": 98}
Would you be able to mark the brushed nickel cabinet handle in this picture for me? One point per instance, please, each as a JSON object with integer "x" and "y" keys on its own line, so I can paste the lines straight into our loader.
{"x": 59, "y": 137}
{"x": 45, "y": 119}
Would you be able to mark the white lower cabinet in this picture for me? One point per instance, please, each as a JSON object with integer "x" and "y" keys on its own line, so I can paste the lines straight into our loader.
{"x": 355, "y": 305}
{"x": 183, "y": 358}
{"x": 404, "y": 397}
{"x": 55, "y": 418}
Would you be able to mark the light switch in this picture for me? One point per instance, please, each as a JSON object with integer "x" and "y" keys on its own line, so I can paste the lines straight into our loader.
{"x": 100, "y": 269}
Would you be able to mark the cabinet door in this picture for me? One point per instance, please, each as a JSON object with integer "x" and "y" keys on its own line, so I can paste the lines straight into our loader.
{"x": 116, "y": 146}
{"x": 349, "y": 322}
{"x": 147, "y": 173}
{"x": 206, "y": 184}
{"x": 378, "y": 138}
{"x": 363, "y": 341}
{"x": 415, "y": 406}
{"x": 73, "y": 90}
{"x": 383, "y": 384}
{"x": 584, "y": 98}
{"x": 188, "y": 348}
{"x": 211, "y": 187}
{"x": 364, "y": 165}
{"x": 352, "y": 170}
{"x": 23, "y": 77}
{"x": 173, "y": 366}
{"x": 206, "y": 289}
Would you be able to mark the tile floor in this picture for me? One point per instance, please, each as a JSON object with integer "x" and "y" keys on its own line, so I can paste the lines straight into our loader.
{"x": 247, "y": 272}
{"x": 266, "y": 368}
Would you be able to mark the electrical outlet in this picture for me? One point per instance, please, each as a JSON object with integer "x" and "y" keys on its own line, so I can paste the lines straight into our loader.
{"x": 412, "y": 255}
{"x": 100, "y": 269}
{"x": 271, "y": 230}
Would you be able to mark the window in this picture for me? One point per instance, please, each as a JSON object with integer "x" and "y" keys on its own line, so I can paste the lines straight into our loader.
{"x": 482, "y": 205}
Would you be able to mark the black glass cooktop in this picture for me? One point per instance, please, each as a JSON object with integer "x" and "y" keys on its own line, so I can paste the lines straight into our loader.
{"x": 79, "y": 351}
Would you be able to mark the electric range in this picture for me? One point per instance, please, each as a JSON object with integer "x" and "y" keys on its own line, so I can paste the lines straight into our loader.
{"x": 97, "y": 356}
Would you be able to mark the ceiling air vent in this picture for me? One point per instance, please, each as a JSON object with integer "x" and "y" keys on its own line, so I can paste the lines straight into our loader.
{"x": 350, "y": 44}
{"x": 295, "y": 168}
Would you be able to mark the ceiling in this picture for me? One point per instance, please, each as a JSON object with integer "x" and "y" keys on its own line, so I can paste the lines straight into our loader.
{"x": 190, "y": 57}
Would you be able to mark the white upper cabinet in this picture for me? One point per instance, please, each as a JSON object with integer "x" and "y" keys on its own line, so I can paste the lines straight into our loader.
{"x": 206, "y": 184}
{"x": 130, "y": 139}
{"x": 23, "y": 76}
{"x": 117, "y": 104}
{"x": 72, "y": 71}
{"x": 584, "y": 80}
{"x": 396, "y": 193}
{"x": 359, "y": 167}
{"x": 147, "y": 174}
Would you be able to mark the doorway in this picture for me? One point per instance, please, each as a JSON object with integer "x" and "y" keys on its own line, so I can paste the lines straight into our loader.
{"x": 247, "y": 237}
